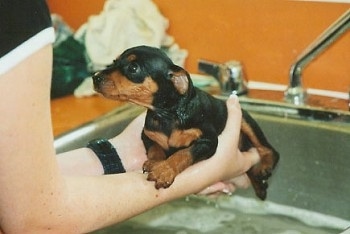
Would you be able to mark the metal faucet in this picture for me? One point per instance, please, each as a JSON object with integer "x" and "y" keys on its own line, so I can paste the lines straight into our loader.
{"x": 229, "y": 75}
{"x": 295, "y": 93}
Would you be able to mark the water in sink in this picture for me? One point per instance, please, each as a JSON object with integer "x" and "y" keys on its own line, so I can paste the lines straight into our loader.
{"x": 227, "y": 215}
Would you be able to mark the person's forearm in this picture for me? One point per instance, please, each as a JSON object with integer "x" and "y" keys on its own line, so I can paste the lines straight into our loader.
{"x": 84, "y": 161}
{"x": 79, "y": 162}
{"x": 128, "y": 145}
{"x": 105, "y": 200}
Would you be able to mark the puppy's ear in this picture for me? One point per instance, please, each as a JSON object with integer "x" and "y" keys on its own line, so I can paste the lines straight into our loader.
{"x": 180, "y": 79}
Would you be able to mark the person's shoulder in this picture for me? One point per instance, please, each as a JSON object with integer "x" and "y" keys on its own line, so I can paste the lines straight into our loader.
{"x": 21, "y": 20}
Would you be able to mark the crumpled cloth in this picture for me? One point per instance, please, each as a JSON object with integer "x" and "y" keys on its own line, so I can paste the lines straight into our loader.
{"x": 121, "y": 25}
{"x": 62, "y": 29}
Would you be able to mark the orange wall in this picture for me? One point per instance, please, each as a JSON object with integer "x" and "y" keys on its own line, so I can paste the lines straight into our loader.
{"x": 265, "y": 35}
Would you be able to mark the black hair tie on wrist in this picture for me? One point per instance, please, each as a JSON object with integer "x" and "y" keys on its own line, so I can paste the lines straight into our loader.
{"x": 108, "y": 156}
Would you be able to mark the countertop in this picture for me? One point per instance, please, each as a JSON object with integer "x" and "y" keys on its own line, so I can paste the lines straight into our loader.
{"x": 70, "y": 112}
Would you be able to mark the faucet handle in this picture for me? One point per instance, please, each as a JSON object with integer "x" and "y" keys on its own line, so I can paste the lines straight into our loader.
{"x": 229, "y": 75}
{"x": 235, "y": 78}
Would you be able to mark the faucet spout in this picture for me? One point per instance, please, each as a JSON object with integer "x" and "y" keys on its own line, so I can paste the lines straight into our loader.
{"x": 295, "y": 93}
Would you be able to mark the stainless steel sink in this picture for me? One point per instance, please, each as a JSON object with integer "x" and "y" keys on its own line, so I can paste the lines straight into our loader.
{"x": 314, "y": 167}
{"x": 106, "y": 126}
{"x": 314, "y": 145}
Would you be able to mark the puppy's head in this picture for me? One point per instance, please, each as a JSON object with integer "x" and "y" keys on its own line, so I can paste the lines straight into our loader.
{"x": 145, "y": 76}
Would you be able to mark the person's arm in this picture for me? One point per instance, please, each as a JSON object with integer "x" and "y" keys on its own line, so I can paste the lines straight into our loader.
{"x": 128, "y": 144}
{"x": 132, "y": 153}
{"x": 37, "y": 198}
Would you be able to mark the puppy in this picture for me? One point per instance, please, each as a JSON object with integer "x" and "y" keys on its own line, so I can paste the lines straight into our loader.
{"x": 182, "y": 122}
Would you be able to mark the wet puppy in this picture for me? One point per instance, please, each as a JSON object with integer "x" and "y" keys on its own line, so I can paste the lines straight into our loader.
{"x": 182, "y": 123}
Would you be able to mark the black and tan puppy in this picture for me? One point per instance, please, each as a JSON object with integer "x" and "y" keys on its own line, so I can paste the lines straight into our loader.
{"x": 182, "y": 123}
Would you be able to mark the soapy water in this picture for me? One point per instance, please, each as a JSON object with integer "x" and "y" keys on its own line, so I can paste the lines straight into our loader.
{"x": 232, "y": 215}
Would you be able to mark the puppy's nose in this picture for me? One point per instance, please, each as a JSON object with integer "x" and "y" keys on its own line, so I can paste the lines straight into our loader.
{"x": 97, "y": 79}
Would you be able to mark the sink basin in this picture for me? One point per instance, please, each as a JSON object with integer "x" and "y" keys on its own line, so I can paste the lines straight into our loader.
{"x": 315, "y": 156}
{"x": 314, "y": 146}
{"x": 106, "y": 126}
{"x": 315, "y": 161}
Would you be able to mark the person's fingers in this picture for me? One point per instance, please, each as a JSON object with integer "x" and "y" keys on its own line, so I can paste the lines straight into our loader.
{"x": 129, "y": 145}
{"x": 229, "y": 138}
{"x": 241, "y": 181}
{"x": 254, "y": 156}
{"x": 248, "y": 159}
{"x": 234, "y": 118}
{"x": 217, "y": 187}
{"x": 137, "y": 124}
{"x": 227, "y": 187}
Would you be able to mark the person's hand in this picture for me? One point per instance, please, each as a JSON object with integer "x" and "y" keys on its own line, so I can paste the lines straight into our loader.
{"x": 230, "y": 186}
{"x": 226, "y": 169}
{"x": 130, "y": 146}
{"x": 228, "y": 164}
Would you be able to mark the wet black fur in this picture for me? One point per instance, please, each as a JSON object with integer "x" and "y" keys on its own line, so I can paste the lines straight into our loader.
{"x": 173, "y": 110}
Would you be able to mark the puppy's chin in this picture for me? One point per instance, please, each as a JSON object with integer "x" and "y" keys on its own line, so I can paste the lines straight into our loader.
{"x": 127, "y": 98}
{"x": 123, "y": 98}
{"x": 112, "y": 96}
{"x": 107, "y": 89}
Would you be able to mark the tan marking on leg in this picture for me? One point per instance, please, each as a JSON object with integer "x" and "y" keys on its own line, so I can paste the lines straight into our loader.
{"x": 183, "y": 138}
{"x": 154, "y": 154}
{"x": 246, "y": 129}
{"x": 164, "y": 172}
{"x": 260, "y": 172}
{"x": 158, "y": 137}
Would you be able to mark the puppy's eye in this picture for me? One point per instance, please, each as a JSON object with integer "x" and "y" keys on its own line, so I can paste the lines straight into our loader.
{"x": 133, "y": 68}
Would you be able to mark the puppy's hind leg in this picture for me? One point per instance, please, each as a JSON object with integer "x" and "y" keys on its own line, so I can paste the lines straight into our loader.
{"x": 269, "y": 157}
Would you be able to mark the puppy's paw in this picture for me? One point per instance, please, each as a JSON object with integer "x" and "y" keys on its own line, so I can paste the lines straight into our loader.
{"x": 259, "y": 173}
{"x": 162, "y": 174}
{"x": 260, "y": 185}
{"x": 147, "y": 165}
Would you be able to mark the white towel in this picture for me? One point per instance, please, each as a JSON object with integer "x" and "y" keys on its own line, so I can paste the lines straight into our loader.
{"x": 122, "y": 24}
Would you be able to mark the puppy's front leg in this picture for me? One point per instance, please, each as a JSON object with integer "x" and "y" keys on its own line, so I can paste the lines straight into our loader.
{"x": 154, "y": 154}
{"x": 164, "y": 172}
{"x": 154, "y": 151}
